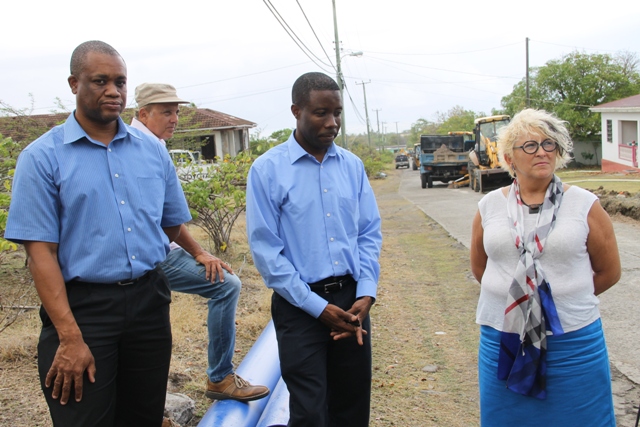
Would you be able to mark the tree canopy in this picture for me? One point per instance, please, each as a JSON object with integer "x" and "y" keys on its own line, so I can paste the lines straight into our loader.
{"x": 456, "y": 119}
{"x": 571, "y": 85}
{"x": 453, "y": 120}
{"x": 421, "y": 127}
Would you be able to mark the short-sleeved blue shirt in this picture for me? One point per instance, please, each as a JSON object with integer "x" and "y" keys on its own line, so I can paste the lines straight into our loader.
{"x": 105, "y": 206}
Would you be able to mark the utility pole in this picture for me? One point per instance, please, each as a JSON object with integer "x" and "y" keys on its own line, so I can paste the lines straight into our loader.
{"x": 528, "y": 98}
{"x": 377, "y": 119}
{"x": 343, "y": 123}
{"x": 383, "y": 134}
{"x": 366, "y": 109}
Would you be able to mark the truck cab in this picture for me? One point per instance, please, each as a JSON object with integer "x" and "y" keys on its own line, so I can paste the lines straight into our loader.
{"x": 484, "y": 163}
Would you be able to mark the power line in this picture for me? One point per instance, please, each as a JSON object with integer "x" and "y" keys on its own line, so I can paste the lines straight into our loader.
{"x": 445, "y": 53}
{"x": 314, "y": 33}
{"x": 205, "y": 101}
{"x": 576, "y": 47}
{"x": 355, "y": 107}
{"x": 293, "y": 35}
{"x": 244, "y": 75}
{"x": 434, "y": 68}
{"x": 413, "y": 90}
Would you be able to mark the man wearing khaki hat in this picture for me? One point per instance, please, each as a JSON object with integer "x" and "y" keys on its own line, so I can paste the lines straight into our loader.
{"x": 191, "y": 269}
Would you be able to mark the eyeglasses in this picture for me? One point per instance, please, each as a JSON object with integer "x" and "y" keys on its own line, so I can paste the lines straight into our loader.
{"x": 531, "y": 147}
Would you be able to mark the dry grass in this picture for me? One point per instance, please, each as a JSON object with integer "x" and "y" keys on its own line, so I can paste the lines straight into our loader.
{"x": 188, "y": 322}
{"x": 424, "y": 316}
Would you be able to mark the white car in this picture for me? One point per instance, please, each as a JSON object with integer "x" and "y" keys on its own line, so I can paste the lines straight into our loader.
{"x": 189, "y": 165}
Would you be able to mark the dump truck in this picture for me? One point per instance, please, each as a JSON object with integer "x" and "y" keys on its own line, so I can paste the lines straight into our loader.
{"x": 442, "y": 158}
{"x": 484, "y": 165}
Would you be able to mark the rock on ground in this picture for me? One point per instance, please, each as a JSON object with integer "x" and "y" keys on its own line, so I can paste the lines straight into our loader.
{"x": 179, "y": 407}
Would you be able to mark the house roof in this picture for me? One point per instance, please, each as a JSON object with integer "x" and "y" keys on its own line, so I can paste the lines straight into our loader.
{"x": 198, "y": 119}
{"x": 29, "y": 127}
{"x": 630, "y": 104}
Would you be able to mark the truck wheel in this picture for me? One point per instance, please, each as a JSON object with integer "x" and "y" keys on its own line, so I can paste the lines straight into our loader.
{"x": 423, "y": 179}
{"x": 429, "y": 182}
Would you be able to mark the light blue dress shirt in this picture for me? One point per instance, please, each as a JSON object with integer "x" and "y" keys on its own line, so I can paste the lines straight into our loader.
{"x": 307, "y": 221}
{"x": 105, "y": 206}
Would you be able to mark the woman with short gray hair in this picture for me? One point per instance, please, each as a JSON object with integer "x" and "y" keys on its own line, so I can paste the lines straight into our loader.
{"x": 542, "y": 251}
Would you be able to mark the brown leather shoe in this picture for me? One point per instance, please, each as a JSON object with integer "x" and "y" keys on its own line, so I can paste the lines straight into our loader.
{"x": 236, "y": 388}
{"x": 168, "y": 422}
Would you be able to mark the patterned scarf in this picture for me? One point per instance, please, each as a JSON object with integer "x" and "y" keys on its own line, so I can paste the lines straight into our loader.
{"x": 530, "y": 309}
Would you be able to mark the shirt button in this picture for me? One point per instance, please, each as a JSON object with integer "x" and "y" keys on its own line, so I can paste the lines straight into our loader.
{"x": 109, "y": 149}
{"x": 133, "y": 257}
{"x": 129, "y": 229}
{"x": 336, "y": 263}
{"x": 332, "y": 239}
{"x": 325, "y": 190}
{"x": 328, "y": 214}
{"x": 122, "y": 202}
{"x": 117, "y": 176}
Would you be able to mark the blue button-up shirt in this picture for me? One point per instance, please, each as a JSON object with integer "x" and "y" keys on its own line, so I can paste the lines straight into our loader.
{"x": 307, "y": 221}
{"x": 105, "y": 206}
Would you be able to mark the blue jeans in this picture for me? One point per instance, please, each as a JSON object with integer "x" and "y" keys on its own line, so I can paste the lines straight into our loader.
{"x": 186, "y": 275}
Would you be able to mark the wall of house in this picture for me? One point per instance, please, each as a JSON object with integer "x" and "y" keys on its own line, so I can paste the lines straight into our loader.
{"x": 588, "y": 149}
{"x": 228, "y": 141}
{"x": 625, "y": 129}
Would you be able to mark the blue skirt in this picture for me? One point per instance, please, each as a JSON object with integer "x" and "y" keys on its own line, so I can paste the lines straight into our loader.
{"x": 578, "y": 383}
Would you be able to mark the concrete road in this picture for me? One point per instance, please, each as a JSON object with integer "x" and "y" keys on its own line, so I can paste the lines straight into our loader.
{"x": 454, "y": 209}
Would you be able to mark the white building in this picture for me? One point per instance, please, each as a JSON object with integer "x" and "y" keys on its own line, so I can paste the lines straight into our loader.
{"x": 620, "y": 134}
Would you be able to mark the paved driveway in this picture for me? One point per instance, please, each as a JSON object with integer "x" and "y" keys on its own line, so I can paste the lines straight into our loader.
{"x": 454, "y": 209}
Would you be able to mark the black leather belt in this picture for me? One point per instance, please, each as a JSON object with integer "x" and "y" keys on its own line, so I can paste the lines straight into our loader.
{"x": 332, "y": 284}
{"x": 120, "y": 283}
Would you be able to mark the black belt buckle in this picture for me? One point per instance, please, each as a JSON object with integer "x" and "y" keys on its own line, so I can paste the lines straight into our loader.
{"x": 133, "y": 281}
{"x": 333, "y": 286}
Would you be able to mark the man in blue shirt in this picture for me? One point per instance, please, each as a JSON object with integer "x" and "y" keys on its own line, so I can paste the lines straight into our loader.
{"x": 314, "y": 231}
{"x": 95, "y": 204}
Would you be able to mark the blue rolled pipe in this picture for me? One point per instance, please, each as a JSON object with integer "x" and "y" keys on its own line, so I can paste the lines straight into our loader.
{"x": 260, "y": 366}
{"x": 276, "y": 413}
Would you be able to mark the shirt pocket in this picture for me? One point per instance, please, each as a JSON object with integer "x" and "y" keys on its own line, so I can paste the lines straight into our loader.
{"x": 151, "y": 196}
{"x": 349, "y": 214}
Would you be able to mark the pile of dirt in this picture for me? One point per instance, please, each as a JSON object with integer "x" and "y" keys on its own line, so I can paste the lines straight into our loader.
{"x": 623, "y": 203}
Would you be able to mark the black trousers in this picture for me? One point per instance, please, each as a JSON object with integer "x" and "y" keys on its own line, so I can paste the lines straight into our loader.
{"x": 329, "y": 381}
{"x": 128, "y": 332}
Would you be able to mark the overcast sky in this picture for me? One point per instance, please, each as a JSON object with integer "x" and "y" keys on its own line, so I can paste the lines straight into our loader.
{"x": 234, "y": 56}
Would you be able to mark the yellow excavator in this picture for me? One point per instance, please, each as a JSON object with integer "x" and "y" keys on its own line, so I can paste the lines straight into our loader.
{"x": 415, "y": 154}
{"x": 484, "y": 169}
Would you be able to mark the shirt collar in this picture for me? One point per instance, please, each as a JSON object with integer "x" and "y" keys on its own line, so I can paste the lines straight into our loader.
{"x": 137, "y": 124}
{"x": 296, "y": 151}
{"x": 74, "y": 132}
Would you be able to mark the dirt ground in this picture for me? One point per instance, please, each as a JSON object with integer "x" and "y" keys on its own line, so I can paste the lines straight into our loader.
{"x": 424, "y": 335}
